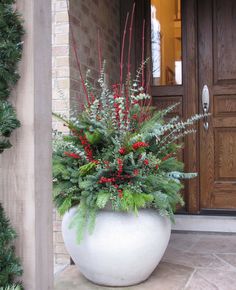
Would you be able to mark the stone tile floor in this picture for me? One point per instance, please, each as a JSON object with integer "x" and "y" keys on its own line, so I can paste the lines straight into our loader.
{"x": 193, "y": 261}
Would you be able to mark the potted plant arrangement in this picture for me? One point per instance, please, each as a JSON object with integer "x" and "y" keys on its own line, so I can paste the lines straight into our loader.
{"x": 117, "y": 182}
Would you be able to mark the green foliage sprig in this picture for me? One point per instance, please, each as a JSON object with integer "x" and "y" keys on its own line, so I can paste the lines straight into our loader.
{"x": 120, "y": 153}
{"x": 8, "y": 122}
{"x": 12, "y": 287}
{"x": 11, "y": 33}
{"x": 9, "y": 264}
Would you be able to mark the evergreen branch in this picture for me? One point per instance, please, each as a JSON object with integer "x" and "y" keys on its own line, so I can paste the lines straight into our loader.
{"x": 11, "y": 46}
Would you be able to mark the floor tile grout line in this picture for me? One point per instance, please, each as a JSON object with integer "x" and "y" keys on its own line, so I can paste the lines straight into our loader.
{"x": 222, "y": 260}
{"x": 199, "y": 267}
{"x": 204, "y": 278}
{"x": 177, "y": 264}
{"x": 189, "y": 279}
{"x": 224, "y": 253}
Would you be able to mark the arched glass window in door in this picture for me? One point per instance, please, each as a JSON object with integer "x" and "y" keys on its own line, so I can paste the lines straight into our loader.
{"x": 166, "y": 42}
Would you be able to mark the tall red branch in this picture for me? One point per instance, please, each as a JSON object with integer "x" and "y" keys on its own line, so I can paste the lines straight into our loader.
{"x": 122, "y": 52}
{"x": 143, "y": 51}
{"x": 99, "y": 53}
{"x": 130, "y": 39}
{"x": 142, "y": 84}
{"x": 129, "y": 61}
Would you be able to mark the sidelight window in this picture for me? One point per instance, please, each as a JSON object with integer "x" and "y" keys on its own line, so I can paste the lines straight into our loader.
{"x": 166, "y": 42}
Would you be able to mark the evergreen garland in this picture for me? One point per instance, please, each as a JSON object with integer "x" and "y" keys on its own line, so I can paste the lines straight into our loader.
{"x": 11, "y": 33}
{"x": 9, "y": 263}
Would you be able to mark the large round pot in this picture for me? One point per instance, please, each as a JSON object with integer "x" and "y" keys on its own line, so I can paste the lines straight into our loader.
{"x": 123, "y": 250}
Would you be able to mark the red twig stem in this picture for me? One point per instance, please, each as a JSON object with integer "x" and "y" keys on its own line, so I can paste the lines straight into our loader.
{"x": 143, "y": 42}
{"x": 76, "y": 55}
{"x": 129, "y": 62}
{"x": 130, "y": 39}
{"x": 99, "y": 53}
{"x": 122, "y": 52}
{"x": 142, "y": 84}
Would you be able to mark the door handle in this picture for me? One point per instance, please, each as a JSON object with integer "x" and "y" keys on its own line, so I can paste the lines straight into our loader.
{"x": 205, "y": 106}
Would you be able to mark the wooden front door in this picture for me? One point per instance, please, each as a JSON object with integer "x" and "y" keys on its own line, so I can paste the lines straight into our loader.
{"x": 217, "y": 70}
{"x": 208, "y": 56}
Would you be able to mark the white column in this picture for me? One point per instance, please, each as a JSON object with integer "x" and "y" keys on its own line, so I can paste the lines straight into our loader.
{"x": 25, "y": 170}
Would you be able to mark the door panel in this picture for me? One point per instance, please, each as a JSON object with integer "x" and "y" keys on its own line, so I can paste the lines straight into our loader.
{"x": 224, "y": 41}
{"x": 217, "y": 70}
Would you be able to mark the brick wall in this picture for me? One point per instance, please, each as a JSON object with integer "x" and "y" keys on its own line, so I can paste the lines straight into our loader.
{"x": 60, "y": 60}
{"x": 87, "y": 17}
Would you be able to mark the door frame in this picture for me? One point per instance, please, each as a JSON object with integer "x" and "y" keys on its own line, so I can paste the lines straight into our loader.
{"x": 191, "y": 101}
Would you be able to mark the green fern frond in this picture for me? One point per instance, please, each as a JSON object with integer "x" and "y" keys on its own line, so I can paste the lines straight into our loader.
{"x": 79, "y": 221}
{"x": 87, "y": 168}
{"x": 12, "y": 287}
{"x": 102, "y": 198}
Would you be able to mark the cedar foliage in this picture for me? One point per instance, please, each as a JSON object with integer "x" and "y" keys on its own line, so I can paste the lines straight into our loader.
{"x": 11, "y": 33}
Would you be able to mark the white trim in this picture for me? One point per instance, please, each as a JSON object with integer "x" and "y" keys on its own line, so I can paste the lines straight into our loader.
{"x": 224, "y": 224}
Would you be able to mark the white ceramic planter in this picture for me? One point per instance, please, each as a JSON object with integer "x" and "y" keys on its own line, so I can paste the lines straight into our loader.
{"x": 123, "y": 250}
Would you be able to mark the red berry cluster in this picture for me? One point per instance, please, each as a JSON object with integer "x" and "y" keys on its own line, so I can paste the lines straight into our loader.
{"x": 122, "y": 151}
{"x": 120, "y": 166}
{"x": 126, "y": 176}
{"x": 87, "y": 147}
{"x": 72, "y": 155}
{"x": 120, "y": 193}
{"x": 136, "y": 172}
{"x": 107, "y": 164}
{"x": 138, "y": 145}
{"x": 106, "y": 180}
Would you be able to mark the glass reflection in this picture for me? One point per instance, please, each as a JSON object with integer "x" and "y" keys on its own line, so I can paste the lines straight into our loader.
{"x": 166, "y": 42}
